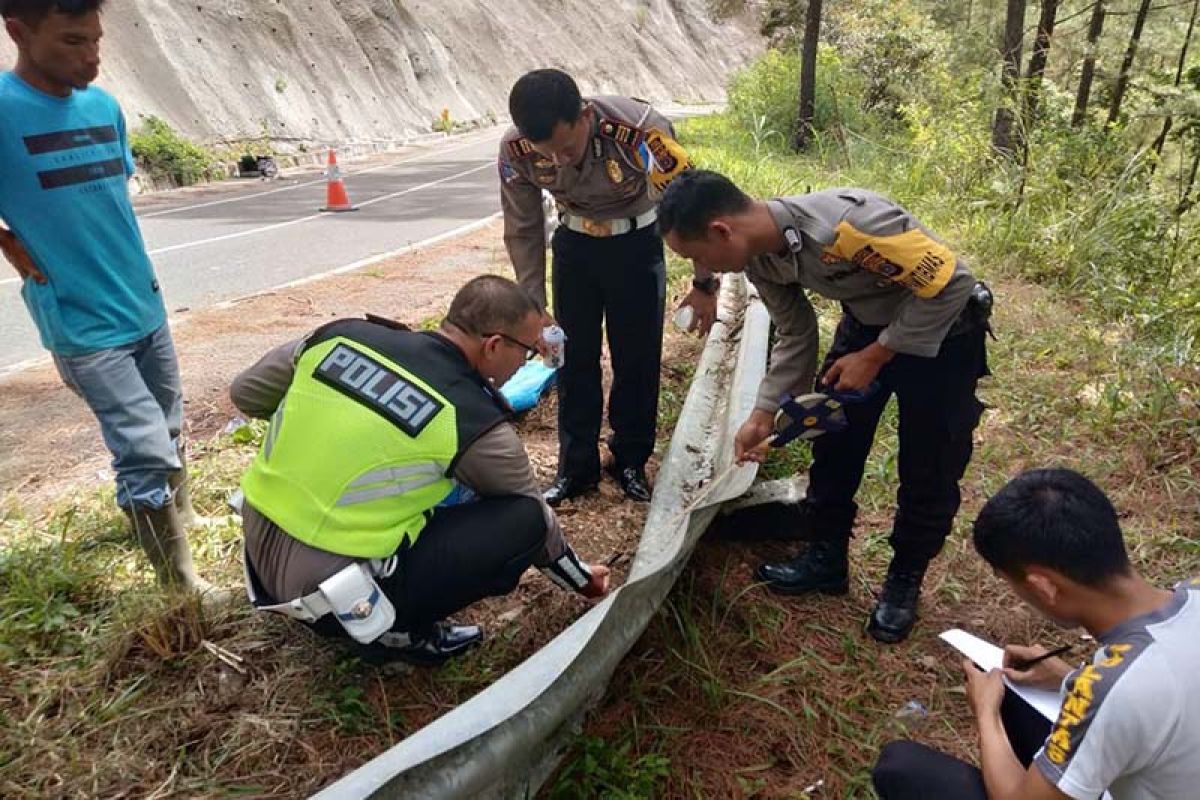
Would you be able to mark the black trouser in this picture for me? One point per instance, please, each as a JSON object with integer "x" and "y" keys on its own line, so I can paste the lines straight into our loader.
{"x": 618, "y": 282}
{"x": 938, "y": 414}
{"x": 464, "y": 554}
{"x": 910, "y": 771}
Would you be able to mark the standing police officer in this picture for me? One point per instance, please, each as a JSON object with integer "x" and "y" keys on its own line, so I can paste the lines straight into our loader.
{"x": 914, "y": 321}
{"x": 390, "y": 490}
{"x": 605, "y": 160}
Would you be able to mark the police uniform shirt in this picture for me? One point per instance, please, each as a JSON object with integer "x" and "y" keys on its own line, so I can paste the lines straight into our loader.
{"x": 631, "y": 157}
{"x": 859, "y": 248}
{"x": 1130, "y": 720}
{"x": 495, "y": 464}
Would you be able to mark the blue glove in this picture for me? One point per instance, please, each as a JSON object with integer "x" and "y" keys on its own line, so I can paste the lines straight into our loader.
{"x": 526, "y": 387}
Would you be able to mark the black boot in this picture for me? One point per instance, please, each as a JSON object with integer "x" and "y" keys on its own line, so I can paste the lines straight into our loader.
{"x": 429, "y": 648}
{"x": 566, "y": 487}
{"x": 633, "y": 482}
{"x": 896, "y": 611}
{"x": 822, "y": 568}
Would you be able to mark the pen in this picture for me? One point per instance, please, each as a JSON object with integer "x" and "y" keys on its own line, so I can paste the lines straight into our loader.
{"x": 1058, "y": 651}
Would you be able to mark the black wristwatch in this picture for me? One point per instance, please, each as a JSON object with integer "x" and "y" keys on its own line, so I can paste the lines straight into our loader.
{"x": 708, "y": 285}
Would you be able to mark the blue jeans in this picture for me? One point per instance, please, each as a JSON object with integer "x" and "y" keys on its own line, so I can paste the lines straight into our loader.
{"x": 135, "y": 392}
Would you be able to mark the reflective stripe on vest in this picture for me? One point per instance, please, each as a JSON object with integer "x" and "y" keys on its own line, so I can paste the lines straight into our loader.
{"x": 393, "y": 481}
{"x": 273, "y": 431}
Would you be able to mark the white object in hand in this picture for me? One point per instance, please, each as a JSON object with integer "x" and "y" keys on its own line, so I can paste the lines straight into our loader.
{"x": 556, "y": 346}
{"x": 988, "y": 657}
{"x": 684, "y": 318}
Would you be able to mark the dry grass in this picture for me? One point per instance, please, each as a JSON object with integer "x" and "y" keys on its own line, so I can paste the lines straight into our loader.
{"x": 113, "y": 690}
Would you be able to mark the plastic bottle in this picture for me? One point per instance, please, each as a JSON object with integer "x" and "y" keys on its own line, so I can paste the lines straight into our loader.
{"x": 912, "y": 715}
{"x": 684, "y": 318}
{"x": 556, "y": 346}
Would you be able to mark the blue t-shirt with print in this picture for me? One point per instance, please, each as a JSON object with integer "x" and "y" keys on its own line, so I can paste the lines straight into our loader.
{"x": 64, "y": 163}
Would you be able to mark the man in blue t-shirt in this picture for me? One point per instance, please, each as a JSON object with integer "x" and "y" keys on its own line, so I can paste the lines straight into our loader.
{"x": 87, "y": 280}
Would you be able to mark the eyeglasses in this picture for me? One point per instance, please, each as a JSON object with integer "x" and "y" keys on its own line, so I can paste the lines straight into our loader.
{"x": 531, "y": 352}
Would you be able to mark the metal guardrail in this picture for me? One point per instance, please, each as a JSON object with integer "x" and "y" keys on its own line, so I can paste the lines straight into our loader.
{"x": 506, "y": 740}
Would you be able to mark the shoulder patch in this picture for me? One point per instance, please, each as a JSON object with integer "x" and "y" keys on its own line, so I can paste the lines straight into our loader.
{"x": 508, "y": 173}
{"x": 520, "y": 148}
{"x": 386, "y": 322}
{"x": 911, "y": 259}
{"x": 620, "y": 132}
{"x": 1085, "y": 692}
{"x": 670, "y": 159}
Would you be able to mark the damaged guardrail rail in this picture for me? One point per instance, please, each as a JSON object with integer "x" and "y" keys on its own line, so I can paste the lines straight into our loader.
{"x": 506, "y": 740}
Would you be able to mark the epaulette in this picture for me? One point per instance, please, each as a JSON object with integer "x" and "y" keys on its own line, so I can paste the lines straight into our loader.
{"x": 520, "y": 148}
{"x": 621, "y": 133}
{"x": 387, "y": 323}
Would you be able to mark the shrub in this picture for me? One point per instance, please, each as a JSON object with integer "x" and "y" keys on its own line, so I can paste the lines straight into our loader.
{"x": 163, "y": 153}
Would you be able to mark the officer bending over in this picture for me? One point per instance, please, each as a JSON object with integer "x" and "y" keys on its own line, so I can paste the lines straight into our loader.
{"x": 908, "y": 323}
{"x": 391, "y": 489}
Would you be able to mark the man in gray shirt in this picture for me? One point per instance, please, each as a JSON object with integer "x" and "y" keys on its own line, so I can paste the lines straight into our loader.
{"x": 390, "y": 452}
{"x": 1129, "y": 723}
{"x": 908, "y": 328}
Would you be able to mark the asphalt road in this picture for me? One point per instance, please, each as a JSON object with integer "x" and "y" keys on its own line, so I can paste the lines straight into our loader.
{"x": 234, "y": 240}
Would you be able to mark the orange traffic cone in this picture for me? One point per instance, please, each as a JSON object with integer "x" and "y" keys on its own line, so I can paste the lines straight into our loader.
{"x": 336, "y": 198}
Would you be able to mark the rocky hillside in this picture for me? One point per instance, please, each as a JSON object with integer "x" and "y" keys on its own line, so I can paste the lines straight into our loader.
{"x": 381, "y": 70}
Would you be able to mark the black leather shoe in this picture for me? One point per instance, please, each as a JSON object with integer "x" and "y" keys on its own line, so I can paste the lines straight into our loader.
{"x": 896, "y": 611}
{"x": 824, "y": 567}
{"x": 633, "y": 481}
{"x": 437, "y": 645}
{"x": 566, "y": 487}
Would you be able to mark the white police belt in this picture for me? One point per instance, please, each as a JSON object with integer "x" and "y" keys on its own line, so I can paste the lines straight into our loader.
{"x": 352, "y": 595}
{"x": 602, "y": 228}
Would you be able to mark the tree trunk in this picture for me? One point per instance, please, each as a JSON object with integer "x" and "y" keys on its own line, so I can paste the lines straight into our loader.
{"x": 1089, "y": 65}
{"x": 1002, "y": 127}
{"x": 1037, "y": 61}
{"x": 1114, "y": 111}
{"x": 808, "y": 75}
{"x": 1186, "y": 202}
{"x": 1187, "y": 40}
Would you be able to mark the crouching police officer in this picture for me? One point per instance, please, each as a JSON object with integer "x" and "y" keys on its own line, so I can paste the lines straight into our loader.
{"x": 391, "y": 490}
{"x": 913, "y": 325}
{"x": 605, "y": 160}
